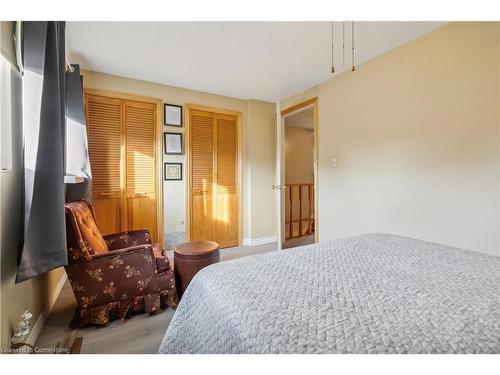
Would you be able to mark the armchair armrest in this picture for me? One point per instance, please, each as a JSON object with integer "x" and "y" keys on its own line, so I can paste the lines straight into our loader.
{"x": 127, "y": 239}
{"x": 139, "y": 256}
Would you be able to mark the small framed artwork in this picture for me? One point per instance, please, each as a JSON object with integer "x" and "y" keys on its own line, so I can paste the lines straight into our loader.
{"x": 172, "y": 115}
{"x": 172, "y": 142}
{"x": 172, "y": 171}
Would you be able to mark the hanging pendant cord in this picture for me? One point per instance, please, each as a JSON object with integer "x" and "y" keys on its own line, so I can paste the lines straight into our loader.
{"x": 333, "y": 67}
{"x": 343, "y": 44}
{"x": 352, "y": 32}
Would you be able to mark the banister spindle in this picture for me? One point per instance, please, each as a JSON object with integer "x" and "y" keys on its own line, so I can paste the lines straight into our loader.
{"x": 309, "y": 218}
{"x": 300, "y": 210}
{"x": 310, "y": 210}
{"x": 291, "y": 212}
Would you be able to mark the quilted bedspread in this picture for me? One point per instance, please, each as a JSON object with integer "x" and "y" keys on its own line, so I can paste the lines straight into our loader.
{"x": 374, "y": 293}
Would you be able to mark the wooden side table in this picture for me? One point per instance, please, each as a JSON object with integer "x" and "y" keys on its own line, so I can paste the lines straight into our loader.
{"x": 189, "y": 258}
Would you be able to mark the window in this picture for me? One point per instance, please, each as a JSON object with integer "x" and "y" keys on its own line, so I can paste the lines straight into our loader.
{"x": 5, "y": 114}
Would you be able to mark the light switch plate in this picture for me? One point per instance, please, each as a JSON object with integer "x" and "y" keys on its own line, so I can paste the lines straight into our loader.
{"x": 334, "y": 163}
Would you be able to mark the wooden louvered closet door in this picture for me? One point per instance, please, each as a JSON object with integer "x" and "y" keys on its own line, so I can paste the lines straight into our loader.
{"x": 226, "y": 198}
{"x": 104, "y": 137}
{"x": 122, "y": 147}
{"x": 213, "y": 178}
{"x": 202, "y": 170}
{"x": 140, "y": 165}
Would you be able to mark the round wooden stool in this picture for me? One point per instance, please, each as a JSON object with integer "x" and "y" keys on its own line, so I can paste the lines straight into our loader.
{"x": 189, "y": 258}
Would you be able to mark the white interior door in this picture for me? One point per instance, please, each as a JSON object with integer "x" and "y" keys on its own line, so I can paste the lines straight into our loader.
{"x": 279, "y": 183}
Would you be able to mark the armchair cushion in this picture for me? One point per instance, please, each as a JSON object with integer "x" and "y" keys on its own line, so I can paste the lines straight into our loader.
{"x": 158, "y": 250}
{"x": 85, "y": 231}
{"x": 162, "y": 263}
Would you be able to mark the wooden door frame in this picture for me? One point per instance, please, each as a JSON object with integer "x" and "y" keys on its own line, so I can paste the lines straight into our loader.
{"x": 158, "y": 102}
{"x": 314, "y": 102}
{"x": 239, "y": 180}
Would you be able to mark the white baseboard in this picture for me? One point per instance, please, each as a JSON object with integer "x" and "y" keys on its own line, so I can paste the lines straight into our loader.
{"x": 38, "y": 326}
{"x": 258, "y": 241}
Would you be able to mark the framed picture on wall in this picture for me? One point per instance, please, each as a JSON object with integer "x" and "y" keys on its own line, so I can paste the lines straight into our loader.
{"x": 172, "y": 143}
{"x": 172, "y": 115}
{"x": 172, "y": 171}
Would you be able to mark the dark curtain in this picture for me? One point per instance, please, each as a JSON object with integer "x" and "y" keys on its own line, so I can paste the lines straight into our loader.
{"x": 44, "y": 88}
{"x": 77, "y": 156}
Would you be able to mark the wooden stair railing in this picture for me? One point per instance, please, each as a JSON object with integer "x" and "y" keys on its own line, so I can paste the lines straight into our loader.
{"x": 305, "y": 195}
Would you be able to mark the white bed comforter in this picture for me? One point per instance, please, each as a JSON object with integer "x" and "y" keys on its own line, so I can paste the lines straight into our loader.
{"x": 373, "y": 293}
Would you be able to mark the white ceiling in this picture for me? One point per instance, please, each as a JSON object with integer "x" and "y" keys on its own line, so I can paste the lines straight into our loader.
{"x": 302, "y": 118}
{"x": 248, "y": 60}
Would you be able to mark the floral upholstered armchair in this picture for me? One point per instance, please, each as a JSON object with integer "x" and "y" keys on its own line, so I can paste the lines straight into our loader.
{"x": 115, "y": 275}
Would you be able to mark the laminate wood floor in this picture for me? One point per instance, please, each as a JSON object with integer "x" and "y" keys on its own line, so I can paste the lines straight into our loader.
{"x": 299, "y": 241}
{"x": 140, "y": 334}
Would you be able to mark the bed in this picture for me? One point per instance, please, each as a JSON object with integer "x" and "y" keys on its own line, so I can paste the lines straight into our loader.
{"x": 374, "y": 293}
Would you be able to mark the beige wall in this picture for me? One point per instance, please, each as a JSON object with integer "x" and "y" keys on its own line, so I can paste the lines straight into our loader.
{"x": 256, "y": 132}
{"x": 299, "y": 155}
{"x": 7, "y": 30}
{"x": 498, "y": 77}
{"x": 416, "y": 136}
{"x": 33, "y": 294}
{"x": 174, "y": 192}
{"x": 261, "y": 161}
